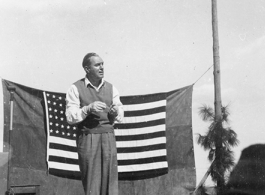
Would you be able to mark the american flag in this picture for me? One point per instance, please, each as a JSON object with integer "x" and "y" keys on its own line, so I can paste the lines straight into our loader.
{"x": 140, "y": 138}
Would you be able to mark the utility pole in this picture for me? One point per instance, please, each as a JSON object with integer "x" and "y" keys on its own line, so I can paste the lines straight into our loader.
{"x": 217, "y": 97}
{"x": 216, "y": 59}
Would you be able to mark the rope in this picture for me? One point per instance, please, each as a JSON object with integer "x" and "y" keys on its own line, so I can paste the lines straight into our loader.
{"x": 203, "y": 74}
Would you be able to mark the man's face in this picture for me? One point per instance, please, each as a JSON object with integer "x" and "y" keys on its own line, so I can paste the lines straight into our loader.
{"x": 96, "y": 68}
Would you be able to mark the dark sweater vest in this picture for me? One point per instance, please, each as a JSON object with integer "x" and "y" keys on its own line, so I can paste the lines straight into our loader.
{"x": 98, "y": 122}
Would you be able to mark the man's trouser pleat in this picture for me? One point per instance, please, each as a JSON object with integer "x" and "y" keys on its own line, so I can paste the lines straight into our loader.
{"x": 98, "y": 163}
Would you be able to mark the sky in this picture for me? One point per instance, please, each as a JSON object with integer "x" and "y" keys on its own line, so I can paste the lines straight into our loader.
{"x": 148, "y": 46}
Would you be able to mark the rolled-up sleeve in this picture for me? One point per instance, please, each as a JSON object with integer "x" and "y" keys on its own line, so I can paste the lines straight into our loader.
{"x": 74, "y": 114}
{"x": 117, "y": 102}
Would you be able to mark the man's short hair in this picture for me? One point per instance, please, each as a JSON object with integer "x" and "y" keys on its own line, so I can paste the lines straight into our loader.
{"x": 86, "y": 60}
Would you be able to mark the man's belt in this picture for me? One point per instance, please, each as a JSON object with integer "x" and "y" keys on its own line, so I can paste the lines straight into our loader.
{"x": 96, "y": 130}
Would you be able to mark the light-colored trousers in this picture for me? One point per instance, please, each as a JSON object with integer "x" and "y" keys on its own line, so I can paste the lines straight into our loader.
{"x": 97, "y": 155}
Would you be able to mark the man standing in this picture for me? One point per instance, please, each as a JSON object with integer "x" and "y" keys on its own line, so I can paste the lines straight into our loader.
{"x": 94, "y": 105}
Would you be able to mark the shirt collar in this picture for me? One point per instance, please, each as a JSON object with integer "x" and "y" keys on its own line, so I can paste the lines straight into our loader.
{"x": 87, "y": 82}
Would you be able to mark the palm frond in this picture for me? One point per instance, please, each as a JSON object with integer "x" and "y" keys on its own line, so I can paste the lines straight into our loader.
{"x": 233, "y": 141}
{"x": 204, "y": 142}
{"x": 227, "y": 160}
{"x": 206, "y": 113}
{"x": 225, "y": 113}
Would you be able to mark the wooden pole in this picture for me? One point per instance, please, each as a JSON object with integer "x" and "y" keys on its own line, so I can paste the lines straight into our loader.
{"x": 11, "y": 90}
{"x": 217, "y": 95}
{"x": 203, "y": 179}
{"x": 216, "y": 59}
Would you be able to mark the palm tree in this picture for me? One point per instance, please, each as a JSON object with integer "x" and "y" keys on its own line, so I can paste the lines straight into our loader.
{"x": 219, "y": 139}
